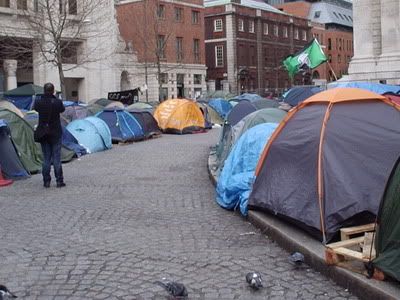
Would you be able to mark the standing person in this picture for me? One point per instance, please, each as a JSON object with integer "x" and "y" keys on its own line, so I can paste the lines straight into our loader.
{"x": 49, "y": 131}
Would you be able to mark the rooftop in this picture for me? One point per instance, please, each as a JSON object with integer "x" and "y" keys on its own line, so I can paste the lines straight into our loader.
{"x": 257, "y": 4}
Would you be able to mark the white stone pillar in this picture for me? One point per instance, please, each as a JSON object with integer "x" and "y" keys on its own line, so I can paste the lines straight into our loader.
{"x": 211, "y": 86}
{"x": 225, "y": 86}
{"x": 390, "y": 25}
{"x": 10, "y": 69}
{"x": 230, "y": 29}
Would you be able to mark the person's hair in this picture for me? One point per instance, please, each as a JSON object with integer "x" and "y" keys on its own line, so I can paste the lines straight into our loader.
{"x": 48, "y": 89}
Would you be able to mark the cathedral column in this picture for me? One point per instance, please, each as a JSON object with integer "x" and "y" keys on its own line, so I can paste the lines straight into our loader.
{"x": 10, "y": 70}
{"x": 390, "y": 10}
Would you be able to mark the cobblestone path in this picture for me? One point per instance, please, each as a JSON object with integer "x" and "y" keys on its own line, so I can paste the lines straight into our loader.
{"x": 133, "y": 215}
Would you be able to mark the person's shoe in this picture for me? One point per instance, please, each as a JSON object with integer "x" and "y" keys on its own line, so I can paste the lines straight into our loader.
{"x": 60, "y": 184}
{"x": 46, "y": 184}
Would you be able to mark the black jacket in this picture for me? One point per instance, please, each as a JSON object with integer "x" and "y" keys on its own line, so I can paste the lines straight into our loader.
{"x": 49, "y": 109}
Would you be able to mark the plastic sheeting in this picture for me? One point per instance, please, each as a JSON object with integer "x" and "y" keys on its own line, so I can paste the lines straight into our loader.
{"x": 221, "y": 106}
{"x": 235, "y": 181}
{"x": 370, "y": 86}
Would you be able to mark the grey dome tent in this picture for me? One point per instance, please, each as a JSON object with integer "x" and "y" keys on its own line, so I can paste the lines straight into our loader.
{"x": 147, "y": 121}
{"x": 11, "y": 165}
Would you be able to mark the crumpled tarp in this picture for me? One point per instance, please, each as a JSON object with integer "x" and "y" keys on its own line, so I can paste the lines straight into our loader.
{"x": 235, "y": 181}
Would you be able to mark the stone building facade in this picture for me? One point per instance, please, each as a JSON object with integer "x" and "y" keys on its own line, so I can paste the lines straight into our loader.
{"x": 246, "y": 43}
{"x": 376, "y": 41}
{"x": 168, "y": 40}
{"x": 107, "y": 70}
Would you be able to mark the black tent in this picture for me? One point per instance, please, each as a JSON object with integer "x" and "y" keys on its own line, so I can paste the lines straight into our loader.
{"x": 147, "y": 121}
{"x": 11, "y": 165}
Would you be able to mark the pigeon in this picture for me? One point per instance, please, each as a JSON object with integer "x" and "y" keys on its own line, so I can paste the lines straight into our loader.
{"x": 175, "y": 289}
{"x": 297, "y": 259}
{"x": 5, "y": 293}
{"x": 254, "y": 280}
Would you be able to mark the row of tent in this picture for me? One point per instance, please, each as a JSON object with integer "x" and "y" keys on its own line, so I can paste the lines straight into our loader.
{"x": 323, "y": 166}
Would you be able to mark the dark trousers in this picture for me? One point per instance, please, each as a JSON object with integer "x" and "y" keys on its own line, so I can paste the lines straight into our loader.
{"x": 52, "y": 155}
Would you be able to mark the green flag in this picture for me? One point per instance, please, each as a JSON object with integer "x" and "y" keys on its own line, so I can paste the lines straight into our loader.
{"x": 311, "y": 56}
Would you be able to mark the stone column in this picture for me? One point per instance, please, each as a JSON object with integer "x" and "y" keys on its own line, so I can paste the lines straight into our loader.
{"x": 390, "y": 10}
{"x": 211, "y": 86}
{"x": 10, "y": 70}
{"x": 230, "y": 29}
{"x": 225, "y": 86}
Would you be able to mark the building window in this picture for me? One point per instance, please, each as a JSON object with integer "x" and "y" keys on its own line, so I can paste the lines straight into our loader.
{"x": 69, "y": 52}
{"x": 161, "y": 46}
{"x": 330, "y": 58}
{"x": 36, "y": 5}
{"x": 179, "y": 48}
{"x": 276, "y": 30}
{"x": 304, "y": 35}
{"x": 218, "y": 25}
{"x": 22, "y": 4}
{"x": 164, "y": 94}
{"x": 4, "y": 3}
{"x": 329, "y": 44}
{"x": 317, "y": 14}
{"x": 252, "y": 55}
{"x": 251, "y": 26}
{"x": 195, "y": 17}
{"x": 72, "y": 7}
{"x": 339, "y": 58}
{"x": 265, "y": 30}
{"x": 196, "y": 50}
{"x": 285, "y": 32}
{"x": 240, "y": 25}
{"x": 197, "y": 78}
{"x": 164, "y": 78}
{"x": 296, "y": 33}
{"x": 178, "y": 14}
{"x": 161, "y": 11}
{"x": 219, "y": 56}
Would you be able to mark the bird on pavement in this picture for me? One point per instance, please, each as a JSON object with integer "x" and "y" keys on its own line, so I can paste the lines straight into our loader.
{"x": 5, "y": 293}
{"x": 297, "y": 259}
{"x": 175, "y": 289}
{"x": 254, "y": 280}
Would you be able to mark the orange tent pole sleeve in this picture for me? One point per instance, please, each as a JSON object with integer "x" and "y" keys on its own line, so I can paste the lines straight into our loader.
{"x": 277, "y": 131}
{"x": 320, "y": 178}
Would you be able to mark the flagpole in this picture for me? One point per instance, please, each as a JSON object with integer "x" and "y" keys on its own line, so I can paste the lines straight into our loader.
{"x": 333, "y": 72}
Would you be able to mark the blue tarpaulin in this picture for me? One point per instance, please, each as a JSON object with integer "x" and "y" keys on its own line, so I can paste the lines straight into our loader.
{"x": 235, "y": 181}
{"x": 221, "y": 106}
{"x": 378, "y": 88}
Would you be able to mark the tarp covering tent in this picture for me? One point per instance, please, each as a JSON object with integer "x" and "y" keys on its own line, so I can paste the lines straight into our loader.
{"x": 11, "y": 166}
{"x": 123, "y": 126}
{"x": 221, "y": 106}
{"x": 378, "y": 88}
{"x": 74, "y": 112}
{"x": 179, "y": 116}
{"x": 387, "y": 239}
{"x": 93, "y": 109}
{"x": 115, "y": 104}
{"x": 102, "y": 102}
{"x": 23, "y": 96}
{"x": 8, "y": 105}
{"x": 327, "y": 163}
{"x": 237, "y": 176}
{"x": 89, "y": 136}
{"x": 298, "y": 94}
{"x": 395, "y": 98}
{"x": 29, "y": 152}
{"x": 147, "y": 122}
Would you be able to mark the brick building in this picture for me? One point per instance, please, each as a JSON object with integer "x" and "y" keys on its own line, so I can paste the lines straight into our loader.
{"x": 246, "y": 42}
{"x": 332, "y": 25}
{"x": 168, "y": 40}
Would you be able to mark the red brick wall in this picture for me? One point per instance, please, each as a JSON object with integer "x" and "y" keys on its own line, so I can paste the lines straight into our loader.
{"x": 300, "y": 9}
{"x": 140, "y": 25}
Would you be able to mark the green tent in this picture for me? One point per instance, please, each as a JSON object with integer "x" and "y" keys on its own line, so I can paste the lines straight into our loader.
{"x": 25, "y": 90}
{"x": 29, "y": 152}
{"x": 388, "y": 228}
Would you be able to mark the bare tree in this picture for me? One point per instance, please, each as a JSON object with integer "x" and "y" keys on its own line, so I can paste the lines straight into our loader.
{"x": 58, "y": 30}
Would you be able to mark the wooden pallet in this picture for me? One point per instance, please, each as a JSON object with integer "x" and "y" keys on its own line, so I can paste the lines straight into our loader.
{"x": 352, "y": 252}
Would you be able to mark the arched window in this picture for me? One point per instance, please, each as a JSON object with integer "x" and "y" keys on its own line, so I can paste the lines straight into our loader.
{"x": 125, "y": 81}
{"x": 315, "y": 75}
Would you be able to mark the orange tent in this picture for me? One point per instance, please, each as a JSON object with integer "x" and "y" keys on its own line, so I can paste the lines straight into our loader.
{"x": 179, "y": 116}
{"x": 327, "y": 163}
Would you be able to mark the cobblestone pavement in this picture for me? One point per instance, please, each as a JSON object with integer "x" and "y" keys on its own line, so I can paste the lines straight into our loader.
{"x": 133, "y": 215}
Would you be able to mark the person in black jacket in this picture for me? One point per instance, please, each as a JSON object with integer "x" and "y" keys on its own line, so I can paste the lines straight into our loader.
{"x": 49, "y": 109}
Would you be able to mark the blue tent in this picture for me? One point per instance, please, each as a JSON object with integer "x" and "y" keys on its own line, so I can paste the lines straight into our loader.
{"x": 93, "y": 137}
{"x": 11, "y": 165}
{"x": 378, "y": 88}
{"x": 235, "y": 181}
{"x": 221, "y": 106}
{"x": 298, "y": 94}
{"x": 123, "y": 126}
{"x": 71, "y": 143}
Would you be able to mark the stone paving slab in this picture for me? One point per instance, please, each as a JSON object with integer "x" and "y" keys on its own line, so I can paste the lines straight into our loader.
{"x": 133, "y": 215}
